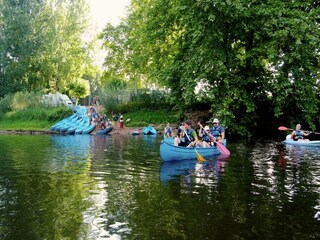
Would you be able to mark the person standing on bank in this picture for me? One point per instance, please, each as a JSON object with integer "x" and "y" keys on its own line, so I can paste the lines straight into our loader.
{"x": 121, "y": 121}
{"x": 218, "y": 131}
{"x": 190, "y": 136}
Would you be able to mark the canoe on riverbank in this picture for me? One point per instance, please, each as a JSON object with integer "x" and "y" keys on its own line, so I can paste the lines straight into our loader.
{"x": 104, "y": 131}
{"x": 149, "y": 130}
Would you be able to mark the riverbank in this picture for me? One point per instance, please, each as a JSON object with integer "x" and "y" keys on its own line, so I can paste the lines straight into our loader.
{"x": 115, "y": 131}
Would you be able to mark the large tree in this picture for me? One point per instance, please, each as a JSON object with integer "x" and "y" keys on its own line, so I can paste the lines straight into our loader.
{"x": 257, "y": 62}
{"x": 42, "y": 47}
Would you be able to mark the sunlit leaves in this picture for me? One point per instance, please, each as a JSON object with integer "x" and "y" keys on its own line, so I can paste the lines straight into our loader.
{"x": 41, "y": 45}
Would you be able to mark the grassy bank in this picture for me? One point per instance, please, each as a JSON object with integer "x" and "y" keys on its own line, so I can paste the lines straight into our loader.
{"x": 144, "y": 118}
{"x": 33, "y": 119}
{"x": 27, "y": 111}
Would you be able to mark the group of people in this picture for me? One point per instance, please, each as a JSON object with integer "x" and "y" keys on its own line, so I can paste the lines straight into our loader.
{"x": 99, "y": 120}
{"x": 188, "y": 137}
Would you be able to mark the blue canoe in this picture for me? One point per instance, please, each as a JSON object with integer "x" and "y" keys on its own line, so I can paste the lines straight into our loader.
{"x": 169, "y": 152}
{"x": 63, "y": 121}
{"x": 104, "y": 131}
{"x": 86, "y": 123}
{"x": 88, "y": 129}
{"x": 149, "y": 130}
{"x": 302, "y": 143}
{"x": 169, "y": 140}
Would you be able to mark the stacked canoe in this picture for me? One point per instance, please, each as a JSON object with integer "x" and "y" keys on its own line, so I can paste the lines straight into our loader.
{"x": 78, "y": 123}
{"x": 149, "y": 130}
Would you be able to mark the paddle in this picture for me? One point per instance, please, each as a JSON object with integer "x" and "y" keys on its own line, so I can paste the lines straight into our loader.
{"x": 283, "y": 128}
{"x": 223, "y": 150}
{"x": 199, "y": 157}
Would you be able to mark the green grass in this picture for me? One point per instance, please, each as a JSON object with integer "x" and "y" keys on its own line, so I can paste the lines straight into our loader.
{"x": 144, "y": 118}
{"x": 33, "y": 118}
{"x": 25, "y": 125}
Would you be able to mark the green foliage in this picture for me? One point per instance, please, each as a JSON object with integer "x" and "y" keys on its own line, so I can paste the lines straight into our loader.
{"x": 29, "y": 107}
{"x": 79, "y": 88}
{"x": 135, "y": 100}
{"x": 41, "y": 45}
{"x": 144, "y": 118}
{"x": 254, "y": 57}
{"x": 20, "y": 101}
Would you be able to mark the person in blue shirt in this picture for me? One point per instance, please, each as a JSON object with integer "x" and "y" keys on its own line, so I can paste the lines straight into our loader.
{"x": 168, "y": 130}
{"x": 207, "y": 138}
{"x": 217, "y": 131}
{"x": 299, "y": 134}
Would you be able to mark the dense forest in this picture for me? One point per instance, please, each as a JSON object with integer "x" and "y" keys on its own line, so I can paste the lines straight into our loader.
{"x": 253, "y": 64}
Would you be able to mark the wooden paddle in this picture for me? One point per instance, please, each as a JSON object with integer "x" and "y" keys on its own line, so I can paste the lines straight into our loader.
{"x": 199, "y": 157}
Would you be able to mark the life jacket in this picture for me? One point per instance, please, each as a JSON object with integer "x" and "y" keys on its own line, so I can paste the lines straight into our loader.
{"x": 168, "y": 130}
{"x": 216, "y": 132}
{"x": 298, "y": 135}
{"x": 188, "y": 136}
{"x": 205, "y": 136}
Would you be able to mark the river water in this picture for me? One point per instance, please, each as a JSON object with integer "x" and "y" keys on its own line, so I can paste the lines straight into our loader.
{"x": 117, "y": 187}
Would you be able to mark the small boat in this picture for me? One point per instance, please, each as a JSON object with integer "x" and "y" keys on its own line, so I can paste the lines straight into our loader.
{"x": 169, "y": 152}
{"x": 71, "y": 122}
{"x": 83, "y": 126}
{"x": 302, "y": 143}
{"x": 88, "y": 129}
{"x": 135, "y": 132}
{"x": 63, "y": 121}
{"x": 149, "y": 130}
{"x": 104, "y": 131}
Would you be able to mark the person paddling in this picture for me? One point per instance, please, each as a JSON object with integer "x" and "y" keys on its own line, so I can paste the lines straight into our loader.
{"x": 298, "y": 134}
{"x": 218, "y": 131}
{"x": 206, "y": 135}
{"x": 190, "y": 136}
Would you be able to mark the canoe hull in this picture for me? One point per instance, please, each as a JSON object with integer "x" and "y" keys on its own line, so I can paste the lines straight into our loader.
{"x": 104, "y": 131}
{"x": 302, "y": 143}
{"x": 88, "y": 129}
{"x": 149, "y": 130}
{"x": 168, "y": 152}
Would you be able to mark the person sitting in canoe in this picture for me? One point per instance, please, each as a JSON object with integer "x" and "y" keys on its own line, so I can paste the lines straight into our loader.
{"x": 298, "y": 134}
{"x": 180, "y": 132}
{"x": 109, "y": 123}
{"x": 218, "y": 131}
{"x": 206, "y": 135}
{"x": 190, "y": 136}
{"x": 168, "y": 130}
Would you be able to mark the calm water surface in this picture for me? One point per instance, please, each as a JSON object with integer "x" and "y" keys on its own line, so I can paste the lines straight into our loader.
{"x": 117, "y": 187}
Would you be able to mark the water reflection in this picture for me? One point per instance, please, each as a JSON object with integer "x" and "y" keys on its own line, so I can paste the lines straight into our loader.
{"x": 117, "y": 187}
{"x": 286, "y": 173}
{"x": 186, "y": 171}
